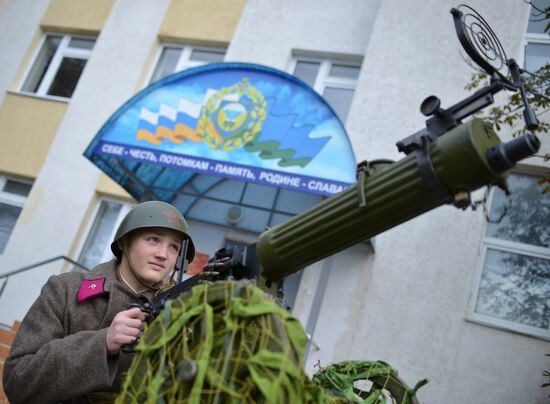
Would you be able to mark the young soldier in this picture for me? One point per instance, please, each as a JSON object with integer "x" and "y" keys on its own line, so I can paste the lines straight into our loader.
{"x": 69, "y": 345}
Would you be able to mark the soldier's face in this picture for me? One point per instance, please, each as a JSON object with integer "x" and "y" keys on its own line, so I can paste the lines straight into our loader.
{"x": 153, "y": 253}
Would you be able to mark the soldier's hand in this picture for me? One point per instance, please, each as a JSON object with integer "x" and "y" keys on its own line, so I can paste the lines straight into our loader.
{"x": 219, "y": 265}
{"x": 125, "y": 328}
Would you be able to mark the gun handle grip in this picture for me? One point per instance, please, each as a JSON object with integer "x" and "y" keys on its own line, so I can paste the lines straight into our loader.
{"x": 146, "y": 308}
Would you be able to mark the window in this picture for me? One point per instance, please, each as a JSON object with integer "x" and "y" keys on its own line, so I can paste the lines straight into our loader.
{"x": 537, "y": 42}
{"x": 97, "y": 246}
{"x": 174, "y": 58}
{"x": 334, "y": 80}
{"x": 13, "y": 194}
{"x": 512, "y": 289}
{"x": 58, "y": 65}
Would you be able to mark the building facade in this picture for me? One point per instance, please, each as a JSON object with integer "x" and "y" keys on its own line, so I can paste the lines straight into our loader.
{"x": 459, "y": 297}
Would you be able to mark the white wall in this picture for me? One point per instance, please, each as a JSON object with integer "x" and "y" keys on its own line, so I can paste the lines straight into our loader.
{"x": 269, "y": 32}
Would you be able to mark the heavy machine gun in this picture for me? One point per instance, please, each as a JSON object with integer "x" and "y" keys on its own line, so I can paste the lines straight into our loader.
{"x": 444, "y": 162}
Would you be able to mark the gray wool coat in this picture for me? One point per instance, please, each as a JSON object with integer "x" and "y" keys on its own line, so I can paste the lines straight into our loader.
{"x": 59, "y": 353}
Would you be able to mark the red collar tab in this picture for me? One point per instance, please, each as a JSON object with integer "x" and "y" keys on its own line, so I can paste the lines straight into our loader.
{"x": 90, "y": 288}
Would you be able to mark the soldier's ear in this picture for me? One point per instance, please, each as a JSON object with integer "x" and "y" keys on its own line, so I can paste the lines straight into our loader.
{"x": 124, "y": 243}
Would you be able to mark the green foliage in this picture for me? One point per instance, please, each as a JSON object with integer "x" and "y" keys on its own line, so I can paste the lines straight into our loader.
{"x": 510, "y": 113}
{"x": 342, "y": 378}
{"x": 537, "y": 89}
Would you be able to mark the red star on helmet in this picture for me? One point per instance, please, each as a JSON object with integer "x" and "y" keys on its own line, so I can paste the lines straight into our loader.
{"x": 172, "y": 217}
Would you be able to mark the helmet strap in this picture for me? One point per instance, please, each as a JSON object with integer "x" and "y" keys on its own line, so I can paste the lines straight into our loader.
{"x": 167, "y": 285}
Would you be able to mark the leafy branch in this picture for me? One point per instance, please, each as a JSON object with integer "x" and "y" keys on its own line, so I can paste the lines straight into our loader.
{"x": 510, "y": 113}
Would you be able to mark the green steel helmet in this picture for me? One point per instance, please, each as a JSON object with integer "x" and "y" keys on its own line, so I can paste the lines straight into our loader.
{"x": 153, "y": 214}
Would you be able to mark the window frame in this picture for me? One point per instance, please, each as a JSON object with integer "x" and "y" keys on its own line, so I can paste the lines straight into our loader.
{"x": 184, "y": 59}
{"x": 532, "y": 38}
{"x": 107, "y": 253}
{"x": 324, "y": 80}
{"x": 12, "y": 199}
{"x": 62, "y": 51}
{"x": 507, "y": 246}
{"x": 535, "y": 39}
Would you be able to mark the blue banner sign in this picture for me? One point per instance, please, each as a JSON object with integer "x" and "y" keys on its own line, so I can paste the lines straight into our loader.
{"x": 229, "y": 170}
{"x": 234, "y": 120}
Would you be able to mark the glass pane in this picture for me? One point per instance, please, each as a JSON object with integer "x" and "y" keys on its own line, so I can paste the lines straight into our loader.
{"x": 348, "y": 72}
{"x": 307, "y": 72}
{"x": 295, "y": 202}
{"x": 184, "y": 203}
{"x": 41, "y": 63}
{"x": 67, "y": 77}
{"x": 167, "y": 63}
{"x": 8, "y": 217}
{"x": 259, "y": 195}
{"x": 99, "y": 238}
{"x": 522, "y": 217}
{"x": 536, "y": 56}
{"x": 228, "y": 190}
{"x": 340, "y": 100}
{"x": 17, "y": 188}
{"x": 203, "y": 183}
{"x": 81, "y": 43}
{"x": 516, "y": 288}
{"x": 537, "y": 18}
{"x": 208, "y": 211}
{"x": 216, "y": 212}
{"x": 207, "y": 56}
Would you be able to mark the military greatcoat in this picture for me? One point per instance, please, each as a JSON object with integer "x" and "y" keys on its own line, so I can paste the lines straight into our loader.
{"x": 59, "y": 353}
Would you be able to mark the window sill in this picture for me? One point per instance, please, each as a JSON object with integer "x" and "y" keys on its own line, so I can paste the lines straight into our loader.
{"x": 42, "y": 97}
{"x": 503, "y": 325}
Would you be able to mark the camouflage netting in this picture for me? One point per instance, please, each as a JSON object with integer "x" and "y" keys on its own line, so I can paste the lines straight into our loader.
{"x": 230, "y": 342}
{"x": 367, "y": 382}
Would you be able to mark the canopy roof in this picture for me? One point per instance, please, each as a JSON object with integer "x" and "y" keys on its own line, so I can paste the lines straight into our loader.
{"x": 235, "y": 120}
